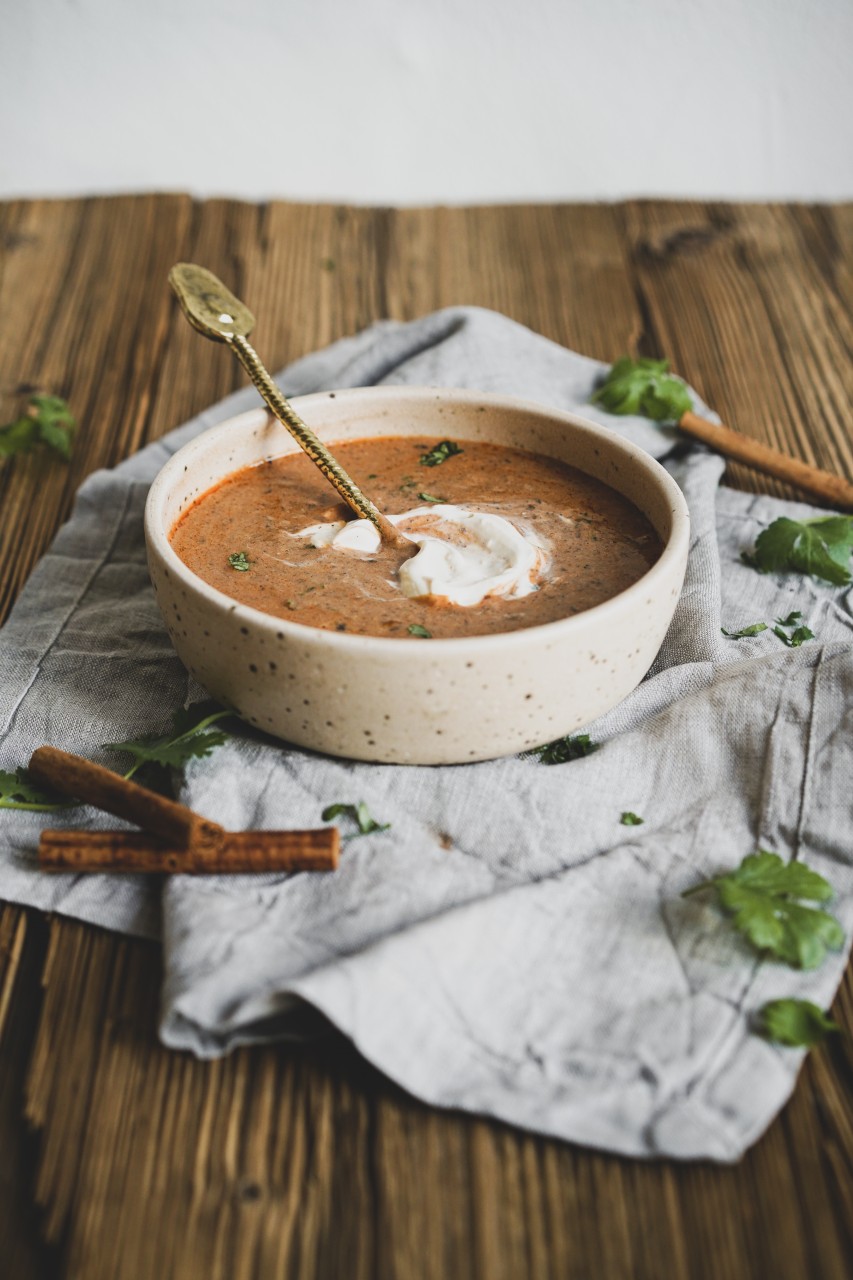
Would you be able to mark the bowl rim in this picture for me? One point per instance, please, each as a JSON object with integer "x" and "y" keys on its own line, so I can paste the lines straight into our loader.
{"x": 675, "y": 548}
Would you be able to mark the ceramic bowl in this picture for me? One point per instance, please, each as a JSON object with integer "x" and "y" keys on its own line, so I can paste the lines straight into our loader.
{"x": 413, "y": 701}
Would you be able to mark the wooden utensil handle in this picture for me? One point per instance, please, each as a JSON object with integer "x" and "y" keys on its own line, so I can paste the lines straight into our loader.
{"x": 820, "y": 484}
{"x": 79, "y": 778}
{"x": 239, "y": 852}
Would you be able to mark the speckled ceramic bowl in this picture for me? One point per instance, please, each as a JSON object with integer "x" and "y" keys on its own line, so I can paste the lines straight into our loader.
{"x": 414, "y": 701}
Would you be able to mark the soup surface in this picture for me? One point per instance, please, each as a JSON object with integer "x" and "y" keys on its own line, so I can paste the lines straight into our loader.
{"x": 596, "y": 542}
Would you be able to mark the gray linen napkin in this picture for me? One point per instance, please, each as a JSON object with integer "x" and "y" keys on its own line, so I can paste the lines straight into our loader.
{"x": 508, "y": 947}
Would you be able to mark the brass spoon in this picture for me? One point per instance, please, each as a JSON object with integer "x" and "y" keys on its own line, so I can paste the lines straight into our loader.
{"x": 216, "y": 313}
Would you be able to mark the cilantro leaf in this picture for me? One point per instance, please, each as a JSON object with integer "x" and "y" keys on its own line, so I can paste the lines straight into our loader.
{"x": 440, "y": 453}
{"x": 796, "y": 638}
{"x": 562, "y": 750}
{"x": 56, "y": 438}
{"x": 20, "y": 436}
{"x": 52, "y": 409}
{"x": 761, "y": 895}
{"x": 55, "y": 423}
{"x": 360, "y": 815}
{"x": 240, "y": 561}
{"x": 421, "y": 632}
{"x": 190, "y": 737}
{"x": 797, "y": 1023}
{"x": 629, "y": 819}
{"x": 48, "y": 421}
{"x": 820, "y": 547}
{"x": 17, "y": 792}
{"x": 643, "y": 387}
{"x": 798, "y": 633}
{"x": 793, "y": 636}
{"x": 752, "y": 630}
{"x": 430, "y": 497}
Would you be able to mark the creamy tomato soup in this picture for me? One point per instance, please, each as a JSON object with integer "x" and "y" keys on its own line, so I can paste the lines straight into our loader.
{"x": 273, "y": 536}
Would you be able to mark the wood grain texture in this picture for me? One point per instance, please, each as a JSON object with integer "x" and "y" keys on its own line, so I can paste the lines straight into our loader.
{"x": 304, "y": 1162}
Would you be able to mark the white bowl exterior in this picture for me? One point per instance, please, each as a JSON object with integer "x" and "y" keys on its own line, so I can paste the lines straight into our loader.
{"x": 417, "y": 701}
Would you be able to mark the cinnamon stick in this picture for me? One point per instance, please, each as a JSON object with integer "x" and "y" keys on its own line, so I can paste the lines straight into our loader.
{"x": 238, "y": 852}
{"x": 79, "y": 778}
{"x": 828, "y": 488}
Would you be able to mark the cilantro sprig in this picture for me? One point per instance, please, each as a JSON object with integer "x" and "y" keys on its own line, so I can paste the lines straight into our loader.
{"x": 357, "y": 813}
{"x": 190, "y": 737}
{"x": 562, "y": 750}
{"x": 18, "y": 792}
{"x": 48, "y": 421}
{"x": 820, "y": 547}
{"x": 440, "y": 453}
{"x": 796, "y": 1023}
{"x": 766, "y": 895}
{"x": 644, "y": 387}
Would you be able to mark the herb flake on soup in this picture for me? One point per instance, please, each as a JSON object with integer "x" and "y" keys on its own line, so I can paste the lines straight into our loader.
{"x": 589, "y": 542}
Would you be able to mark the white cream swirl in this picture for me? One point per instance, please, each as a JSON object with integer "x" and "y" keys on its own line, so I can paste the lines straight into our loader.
{"x": 464, "y": 557}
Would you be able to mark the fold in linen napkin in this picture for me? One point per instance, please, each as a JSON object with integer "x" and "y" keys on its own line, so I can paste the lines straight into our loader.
{"x": 507, "y": 947}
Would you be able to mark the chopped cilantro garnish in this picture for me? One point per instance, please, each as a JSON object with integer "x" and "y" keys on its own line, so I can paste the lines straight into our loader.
{"x": 360, "y": 815}
{"x": 430, "y": 497}
{"x": 752, "y": 630}
{"x": 415, "y": 629}
{"x": 440, "y": 453}
{"x": 798, "y": 633}
{"x": 240, "y": 561}
{"x": 561, "y": 750}
{"x": 796, "y": 637}
{"x": 629, "y": 819}
{"x": 793, "y": 636}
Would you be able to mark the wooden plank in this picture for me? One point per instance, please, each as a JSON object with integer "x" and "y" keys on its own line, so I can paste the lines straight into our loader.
{"x": 22, "y": 937}
{"x": 307, "y": 1162}
{"x": 560, "y": 269}
{"x": 732, "y": 295}
{"x": 86, "y": 316}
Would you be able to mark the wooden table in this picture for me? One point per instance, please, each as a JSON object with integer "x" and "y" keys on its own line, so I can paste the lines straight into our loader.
{"x": 121, "y": 1161}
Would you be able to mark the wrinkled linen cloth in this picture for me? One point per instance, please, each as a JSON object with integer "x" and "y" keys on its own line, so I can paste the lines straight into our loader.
{"x": 507, "y": 947}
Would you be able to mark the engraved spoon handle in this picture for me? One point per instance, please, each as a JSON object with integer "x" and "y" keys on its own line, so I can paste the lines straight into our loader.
{"x": 314, "y": 447}
{"x": 214, "y": 311}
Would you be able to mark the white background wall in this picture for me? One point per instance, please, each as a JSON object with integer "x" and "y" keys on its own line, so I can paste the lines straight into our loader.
{"x": 425, "y": 101}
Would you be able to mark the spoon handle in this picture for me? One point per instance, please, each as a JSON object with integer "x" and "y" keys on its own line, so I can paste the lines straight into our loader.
{"x": 820, "y": 484}
{"x": 314, "y": 447}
